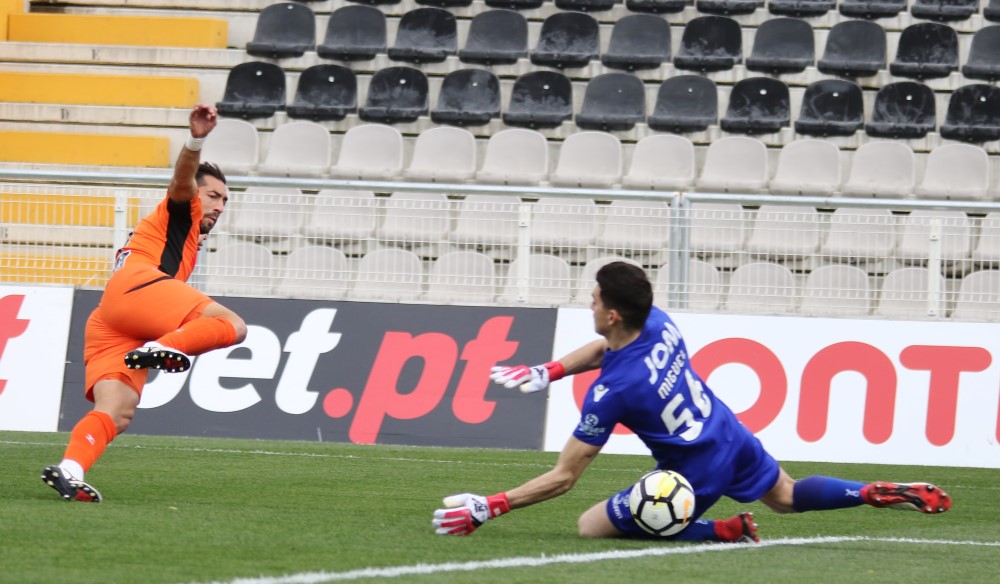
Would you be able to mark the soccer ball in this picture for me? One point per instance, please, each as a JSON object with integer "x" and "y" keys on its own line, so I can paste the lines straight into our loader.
{"x": 662, "y": 502}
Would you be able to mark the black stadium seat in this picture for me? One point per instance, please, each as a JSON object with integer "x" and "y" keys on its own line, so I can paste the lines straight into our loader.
{"x": 496, "y": 37}
{"x": 283, "y": 30}
{"x": 613, "y": 101}
{"x": 354, "y": 33}
{"x": 468, "y": 97}
{"x": 927, "y": 50}
{"x": 984, "y": 55}
{"x": 685, "y": 103}
{"x": 540, "y": 99}
{"x": 728, "y": 7}
{"x": 656, "y": 6}
{"x": 425, "y": 35}
{"x": 638, "y": 41}
{"x": 253, "y": 90}
{"x": 991, "y": 11}
{"x": 872, "y": 9}
{"x": 325, "y": 92}
{"x": 973, "y": 114}
{"x": 801, "y": 8}
{"x": 782, "y": 45}
{"x": 757, "y": 105}
{"x": 831, "y": 107}
{"x": 710, "y": 43}
{"x": 905, "y": 109}
{"x": 855, "y": 48}
{"x": 944, "y": 10}
{"x": 395, "y": 94}
{"x": 585, "y": 5}
{"x": 567, "y": 39}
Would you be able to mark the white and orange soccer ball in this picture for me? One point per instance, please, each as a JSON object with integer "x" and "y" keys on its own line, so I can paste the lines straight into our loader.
{"x": 662, "y": 502}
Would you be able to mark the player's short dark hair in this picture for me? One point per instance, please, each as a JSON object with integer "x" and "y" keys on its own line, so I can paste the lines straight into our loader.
{"x": 209, "y": 169}
{"x": 625, "y": 288}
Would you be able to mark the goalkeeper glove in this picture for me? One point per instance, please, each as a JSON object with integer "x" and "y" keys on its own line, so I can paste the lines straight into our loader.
{"x": 466, "y": 512}
{"x": 531, "y": 379}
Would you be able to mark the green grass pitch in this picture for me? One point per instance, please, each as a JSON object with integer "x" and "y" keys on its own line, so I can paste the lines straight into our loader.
{"x": 195, "y": 510}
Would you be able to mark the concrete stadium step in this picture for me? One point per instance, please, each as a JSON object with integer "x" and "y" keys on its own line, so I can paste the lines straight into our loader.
{"x": 88, "y": 267}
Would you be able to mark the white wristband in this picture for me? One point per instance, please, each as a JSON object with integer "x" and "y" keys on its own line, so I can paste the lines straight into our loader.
{"x": 194, "y": 144}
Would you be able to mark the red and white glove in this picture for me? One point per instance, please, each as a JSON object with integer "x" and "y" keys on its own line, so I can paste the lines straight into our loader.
{"x": 530, "y": 379}
{"x": 464, "y": 513}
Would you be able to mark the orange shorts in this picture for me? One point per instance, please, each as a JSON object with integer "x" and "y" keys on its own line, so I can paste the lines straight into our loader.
{"x": 140, "y": 304}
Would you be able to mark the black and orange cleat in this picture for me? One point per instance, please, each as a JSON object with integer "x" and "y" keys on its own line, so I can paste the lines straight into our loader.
{"x": 923, "y": 497}
{"x": 155, "y": 357}
{"x": 68, "y": 487}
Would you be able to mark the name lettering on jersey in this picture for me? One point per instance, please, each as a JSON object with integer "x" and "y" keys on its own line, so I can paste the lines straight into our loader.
{"x": 673, "y": 374}
{"x": 599, "y": 392}
{"x": 657, "y": 358}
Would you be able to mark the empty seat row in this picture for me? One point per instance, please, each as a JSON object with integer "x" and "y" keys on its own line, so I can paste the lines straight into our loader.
{"x": 638, "y": 41}
{"x": 431, "y": 224}
{"x": 391, "y": 274}
{"x": 598, "y": 160}
{"x": 613, "y": 102}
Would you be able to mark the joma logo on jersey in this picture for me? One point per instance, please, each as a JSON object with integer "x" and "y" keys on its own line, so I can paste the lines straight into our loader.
{"x": 656, "y": 361}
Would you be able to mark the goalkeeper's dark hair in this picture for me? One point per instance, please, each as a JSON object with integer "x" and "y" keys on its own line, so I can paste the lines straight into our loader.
{"x": 625, "y": 288}
{"x": 207, "y": 168}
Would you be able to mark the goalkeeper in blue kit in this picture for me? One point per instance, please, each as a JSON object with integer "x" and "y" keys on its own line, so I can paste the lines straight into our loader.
{"x": 647, "y": 385}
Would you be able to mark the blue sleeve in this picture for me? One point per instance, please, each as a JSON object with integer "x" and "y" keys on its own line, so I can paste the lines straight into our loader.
{"x": 598, "y": 418}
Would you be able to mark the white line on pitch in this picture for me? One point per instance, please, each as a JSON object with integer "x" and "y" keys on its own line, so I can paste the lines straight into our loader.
{"x": 534, "y": 561}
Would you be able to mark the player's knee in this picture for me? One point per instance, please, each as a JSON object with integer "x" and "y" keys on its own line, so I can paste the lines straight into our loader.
{"x": 240, "y": 327}
{"x": 122, "y": 420}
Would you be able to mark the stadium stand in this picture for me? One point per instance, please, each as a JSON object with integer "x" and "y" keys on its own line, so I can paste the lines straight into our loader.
{"x": 904, "y": 109}
{"x": 496, "y": 37}
{"x": 354, "y": 33}
{"x": 807, "y": 166}
{"x": 539, "y": 99}
{"x": 241, "y": 269}
{"x": 831, "y": 107}
{"x": 684, "y": 104}
{"x": 978, "y": 295}
{"x": 443, "y": 154}
{"x": 325, "y": 92}
{"x": 254, "y": 89}
{"x": 702, "y": 292}
{"x": 757, "y": 105}
{"x": 911, "y": 292}
{"x": 612, "y": 101}
{"x": 425, "y": 35}
{"x": 284, "y": 30}
{"x": 905, "y": 158}
{"x": 761, "y": 287}
{"x": 388, "y": 274}
{"x": 567, "y": 39}
{"x": 468, "y": 97}
{"x": 782, "y": 45}
{"x": 638, "y": 41}
{"x": 515, "y": 156}
{"x": 297, "y": 149}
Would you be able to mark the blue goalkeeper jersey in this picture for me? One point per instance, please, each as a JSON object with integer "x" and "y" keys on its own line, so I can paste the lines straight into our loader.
{"x": 649, "y": 387}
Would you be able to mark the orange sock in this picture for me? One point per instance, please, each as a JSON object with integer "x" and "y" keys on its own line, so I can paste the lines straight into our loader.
{"x": 89, "y": 438}
{"x": 200, "y": 336}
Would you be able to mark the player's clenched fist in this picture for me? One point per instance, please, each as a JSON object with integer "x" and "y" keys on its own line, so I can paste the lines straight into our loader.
{"x": 530, "y": 379}
{"x": 464, "y": 513}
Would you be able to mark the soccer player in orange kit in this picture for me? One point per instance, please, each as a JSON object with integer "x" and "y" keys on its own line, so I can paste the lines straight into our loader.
{"x": 149, "y": 317}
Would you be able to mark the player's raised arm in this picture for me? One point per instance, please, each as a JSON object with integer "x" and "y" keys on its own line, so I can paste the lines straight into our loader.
{"x": 183, "y": 187}
{"x": 538, "y": 377}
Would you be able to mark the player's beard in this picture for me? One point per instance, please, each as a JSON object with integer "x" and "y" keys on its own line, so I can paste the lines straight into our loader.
{"x": 207, "y": 225}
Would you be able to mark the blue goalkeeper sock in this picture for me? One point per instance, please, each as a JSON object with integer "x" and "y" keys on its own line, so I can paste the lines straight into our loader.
{"x": 699, "y": 530}
{"x": 824, "y": 493}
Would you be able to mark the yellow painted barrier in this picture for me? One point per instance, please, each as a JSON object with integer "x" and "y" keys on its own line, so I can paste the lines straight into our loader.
{"x": 76, "y": 270}
{"x": 8, "y": 7}
{"x": 95, "y": 149}
{"x": 143, "y": 31}
{"x": 62, "y": 210}
{"x": 121, "y": 90}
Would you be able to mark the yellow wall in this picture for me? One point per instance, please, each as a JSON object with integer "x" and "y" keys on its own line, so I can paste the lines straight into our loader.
{"x": 8, "y": 7}
{"x": 121, "y": 90}
{"x": 150, "y": 31}
{"x": 96, "y": 149}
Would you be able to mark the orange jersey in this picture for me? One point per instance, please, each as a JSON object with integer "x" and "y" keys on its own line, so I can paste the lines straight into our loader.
{"x": 167, "y": 239}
